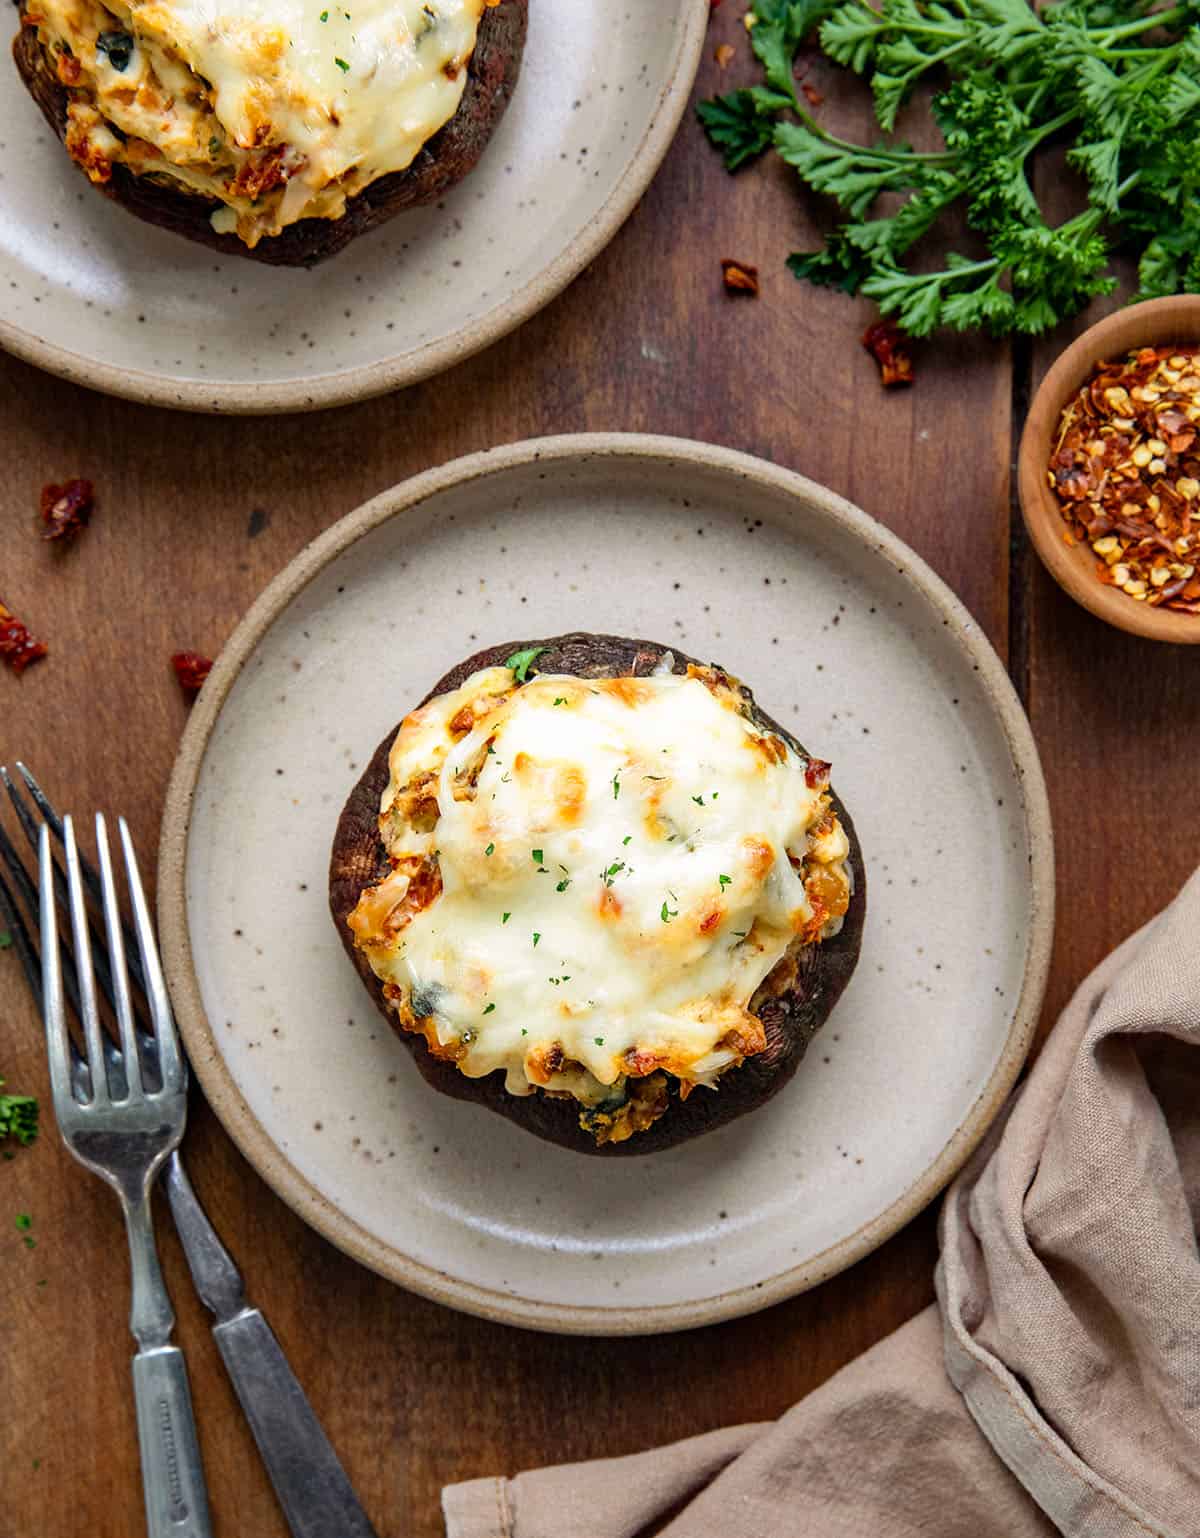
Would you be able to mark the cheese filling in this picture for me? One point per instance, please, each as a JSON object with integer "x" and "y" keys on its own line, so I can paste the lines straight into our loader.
{"x": 589, "y": 881}
{"x": 279, "y": 109}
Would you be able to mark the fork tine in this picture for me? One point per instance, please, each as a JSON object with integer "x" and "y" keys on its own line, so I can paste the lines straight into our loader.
{"x": 83, "y": 957}
{"x": 31, "y": 965}
{"x": 10, "y": 917}
{"x": 52, "y": 995}
{"x": 91, "y": 878}
{"x": 170, "y": 1060}
{"x": 116, "y": 956}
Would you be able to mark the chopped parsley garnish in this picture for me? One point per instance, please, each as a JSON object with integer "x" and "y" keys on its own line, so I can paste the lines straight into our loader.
{"x": 491, "y": 849}
{"x": 561, "y": 700}
{"x": 524, "y": 1032}
{"x": 324, "y": 15}
{"x": 24, "y": 1222}
{"x": 613, "y": 870}
{"x": 537, "y": 856}
{"x": 741, "y": 933}
{"x": 724, "y": 880}
{"x": 627, "y": 839}
{"x": 616, "y": 784}
{"x": 565, "y": 978}
{"x": 489, "y": 1009}
{"x": 599, "y": 1040}
{"x": 18, "y": 1117}
{"x": 654, "y": 776}
{"x": 342, "y": 65}
{"x": 520, "y": 662}
{"x": 699, "y": 800}
{"x": 563, "y": 884}
{"x": 536, "y": 938}
{"x": 505, "y": 918}
{"x": 667, "y": 914}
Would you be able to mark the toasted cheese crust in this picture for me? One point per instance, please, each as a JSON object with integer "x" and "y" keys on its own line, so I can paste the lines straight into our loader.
{"x": 280, "y": 110}
{"x": 589, "y": 880}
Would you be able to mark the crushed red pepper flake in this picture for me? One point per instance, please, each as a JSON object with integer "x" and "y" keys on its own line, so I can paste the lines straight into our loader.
{"x": 812, "y": 96}
{"x": 68, "y": 508}
{"x": 724, "y": 54}
{"x": 740, "y": 277}
{"x": 1126, "y": 472}
{"x": 17, "y": 646}
{"x": 191, "y": 669}
{"x": 882, "y": 340}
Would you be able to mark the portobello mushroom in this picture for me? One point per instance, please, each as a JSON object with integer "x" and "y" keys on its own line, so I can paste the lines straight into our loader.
{"x": 792, "y": 1001}
{"x": 48, "y": 69}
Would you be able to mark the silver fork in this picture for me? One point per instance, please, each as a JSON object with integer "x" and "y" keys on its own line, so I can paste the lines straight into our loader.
{"x": 313, "y": 1490}
{"x": 125, "y": 1141}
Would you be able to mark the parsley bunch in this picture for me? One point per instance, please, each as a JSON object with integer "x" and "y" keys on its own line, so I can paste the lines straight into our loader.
{"x": 1117, "y": 81}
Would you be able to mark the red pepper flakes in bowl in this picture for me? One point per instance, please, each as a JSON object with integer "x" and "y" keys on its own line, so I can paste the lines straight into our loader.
{"x": 739, "y": 277}
{"x": 1126, "y": 472}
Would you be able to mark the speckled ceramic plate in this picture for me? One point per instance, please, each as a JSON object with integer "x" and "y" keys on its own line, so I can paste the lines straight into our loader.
{"x": 90, "y": 292}
{"x": 846, "y": 637}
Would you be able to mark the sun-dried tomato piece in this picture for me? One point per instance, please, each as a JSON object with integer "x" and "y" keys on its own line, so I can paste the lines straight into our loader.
{"x": 191, "y": 669}
{"x": 882, "y": 340}
{"x": 68, "y": 508}
{"x": 17, "y": 646}
{"x": 816, "y": 773}
{"x": 740, "y": 277}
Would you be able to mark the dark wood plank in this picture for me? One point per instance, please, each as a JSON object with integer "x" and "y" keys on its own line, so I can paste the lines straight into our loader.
{"x": 413, "y": 1394}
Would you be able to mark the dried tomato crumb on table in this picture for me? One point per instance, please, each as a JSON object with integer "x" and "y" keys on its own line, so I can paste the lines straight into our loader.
{"x": 883, "y": 341}
{"x": 1126, "y": 471}
{"x": 191, "y": 669}
{"x": 17, "y": 647}
{"x": 68, "y": 508}
{"x": 740, "y": 277}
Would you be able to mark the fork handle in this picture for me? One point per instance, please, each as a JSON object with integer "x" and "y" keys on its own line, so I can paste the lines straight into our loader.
{"x": 317, "y": 1498}
{"x": 172, "y": 1475}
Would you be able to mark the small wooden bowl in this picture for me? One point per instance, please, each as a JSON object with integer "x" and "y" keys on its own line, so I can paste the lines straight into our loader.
{"x": 1156, "y": 323}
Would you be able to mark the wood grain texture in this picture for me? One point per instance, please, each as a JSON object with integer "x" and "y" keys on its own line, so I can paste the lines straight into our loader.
{"x": 412, "y": 1394}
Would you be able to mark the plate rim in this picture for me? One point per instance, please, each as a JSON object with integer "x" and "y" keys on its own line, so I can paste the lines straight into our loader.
{"x": 366, "y": 381}
{"x": 242, "y": 1125}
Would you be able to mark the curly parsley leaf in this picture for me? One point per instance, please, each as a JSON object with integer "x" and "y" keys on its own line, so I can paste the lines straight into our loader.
{"x": 742, "y": 124}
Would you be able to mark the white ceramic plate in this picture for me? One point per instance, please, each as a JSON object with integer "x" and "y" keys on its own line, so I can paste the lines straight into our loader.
{"x": 90, "y": 292}
{"x": 846, "y": 637}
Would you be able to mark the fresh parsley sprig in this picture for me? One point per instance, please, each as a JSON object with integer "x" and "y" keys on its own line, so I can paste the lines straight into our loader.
{"x": 1116, "y": 81}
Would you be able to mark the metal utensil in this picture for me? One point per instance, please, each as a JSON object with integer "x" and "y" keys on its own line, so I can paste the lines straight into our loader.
{"x": 310, "y": 1483}
{"x": 123, "y": 1133}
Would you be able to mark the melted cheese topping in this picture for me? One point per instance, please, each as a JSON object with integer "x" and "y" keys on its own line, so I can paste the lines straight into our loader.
{"x": 590, "y": 879}
{"x": 280, "y": 109}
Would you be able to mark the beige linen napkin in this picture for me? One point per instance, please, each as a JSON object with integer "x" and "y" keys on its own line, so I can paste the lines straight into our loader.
{"x": 1058, "y": 1387}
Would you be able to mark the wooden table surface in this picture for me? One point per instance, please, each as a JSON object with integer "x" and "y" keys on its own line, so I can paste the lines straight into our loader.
{"x": 196, "y": 514}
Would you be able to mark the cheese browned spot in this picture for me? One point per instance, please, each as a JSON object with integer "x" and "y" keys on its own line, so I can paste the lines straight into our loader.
{"x": 279, "y": 109}
{"x": 589, "y": 879}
